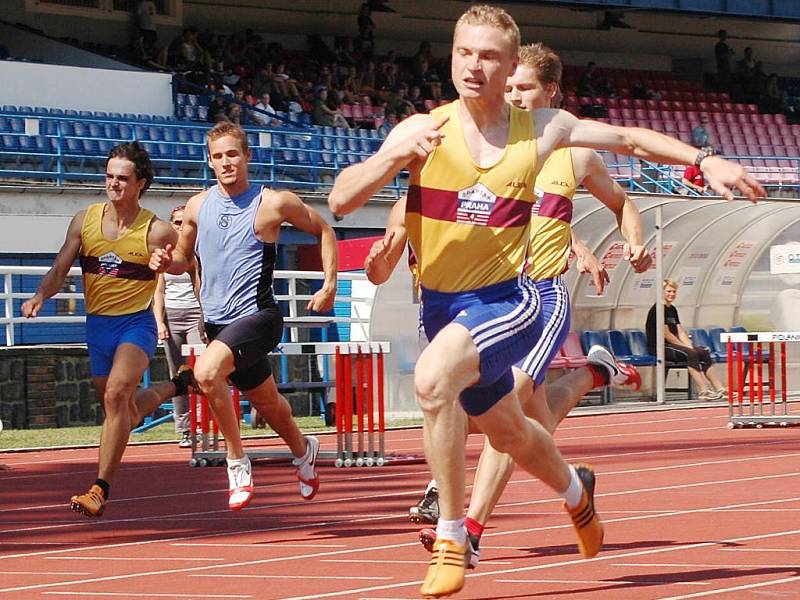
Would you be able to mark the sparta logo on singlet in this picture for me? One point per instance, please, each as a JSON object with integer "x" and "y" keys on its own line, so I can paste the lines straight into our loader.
{"x": 475, "y": 205}
{"x": 109, "y": 264}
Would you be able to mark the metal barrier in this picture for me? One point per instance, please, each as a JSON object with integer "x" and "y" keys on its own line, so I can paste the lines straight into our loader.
{"x": 294, "y": 301}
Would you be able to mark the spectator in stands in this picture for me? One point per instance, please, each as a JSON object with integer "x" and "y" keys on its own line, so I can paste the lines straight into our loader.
{"x": 723, "y": 54}
{"x": 700, "y": 135}
{"x": 217, "y": 111}
{"x": 323, "y": 114}
{"x": 147, "y": 55}
{"x": 366, "y": 26}
{"x": 416, "y": 99}
{"x": 746, "y": 73}
{"x": 179, "y": 319}
{"x": 773, "y": 100}
{"x": 265, "y": 119}
{"x": 234, "y": 114}
{"x": 398, "y": 103}
{"x": 678, "y": 347}
{"x": 638, "y": 91}
{"x": 390, "y": 120}
{"x": 693, "y": 178}
{"x": 285, "y": 85}
{"x": 145, "y": 22}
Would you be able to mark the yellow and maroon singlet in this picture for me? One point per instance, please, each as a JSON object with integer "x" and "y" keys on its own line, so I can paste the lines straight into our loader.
{"x": 116, "y": 278}
{"x": 552, "y": 217}
{"x": 470, "y": 225}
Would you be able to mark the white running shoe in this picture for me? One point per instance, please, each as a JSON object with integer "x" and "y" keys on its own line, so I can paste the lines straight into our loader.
{"x": 620, "y": 375}
{"x": 240, "y": 483}
{"x": 306, "y": 469}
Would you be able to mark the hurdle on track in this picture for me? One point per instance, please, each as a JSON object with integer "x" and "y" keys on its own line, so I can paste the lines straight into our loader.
{"x": 360, "y": 385}
{"x": 747, "y": 404}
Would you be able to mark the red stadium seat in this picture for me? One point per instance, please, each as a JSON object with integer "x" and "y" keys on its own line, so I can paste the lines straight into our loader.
{"x": 614, "y": 113}
{"x": 768, "y": 119}
{"x": 627, "y": 113}
{"x": 683, "y": 125}
{"x": 625, "y": 103}
{"x": 612, "y": 103}
{"x": 640, "y": 113}
{"x": 715, "y": 107}
{"x": 653, "y": 115}
{"x": 702, "y": 106}
{"x": 637, "y": 103}
{"x": 753, "y": 150}
{"x": 741, "y": 150}
{"x": 691, "y": 105}
{"x": 728, "y": 149}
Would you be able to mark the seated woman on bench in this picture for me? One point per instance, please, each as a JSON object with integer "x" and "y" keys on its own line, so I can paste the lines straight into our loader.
{"x": 678, "y": 347}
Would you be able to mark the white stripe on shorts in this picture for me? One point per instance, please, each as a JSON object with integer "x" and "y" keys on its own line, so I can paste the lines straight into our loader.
{"x": 534, "y": 363}
{"x": 501, "y": 328}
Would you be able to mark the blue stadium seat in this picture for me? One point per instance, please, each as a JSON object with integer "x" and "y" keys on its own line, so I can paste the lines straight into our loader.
{"x": 81, "y": 130}
{"x": 67, "y": 128}
{"x": 156, "y": 133}
{"x": 637, "y": 342}
{"x": 100, "y": 114}
{"x": 9, "y": 108}
{"x": 5, "y": 125}
{"x": 192, "y": 99}
{"x": 622, "y": 350}
{"x": 69, "y": 112}
{"x": 129, "y": 116}
{"x": 17, "y": 125}
{"x": 196, "y": 152}
{"x": 141, "y": 133}
{"x": 169, "y": 134}
{"x": 10, "y": 143}
{"x": 73, "y": 147}
{"x": 96, "y": 131}
{"x": 41, "y": 111}
{"x": 111, "y": 131}
{"x": 105, "y": 146}
{"x": 202, "y": 113}
{"x": 198, "y": 136}
{"x": 28, "y": 110}
{"x": 180, "y": 99}
{"x": 700, "y": 337}
{"x": 125, "y": 132}
{"x": 114, "y": 115}
{"x": 182, "y": 135}
{"x": 590, "y": 337}
{"x": 166, "y": 150}
{"x": 85, "y": 113}
{"x": 91, "y": 147}
{"x": 57, "y": 112}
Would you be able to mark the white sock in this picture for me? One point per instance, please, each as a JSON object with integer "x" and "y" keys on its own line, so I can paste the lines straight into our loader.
{"x": 452, "y": 530}
{"x": 431, "y": 485}
{"x": 305, "y": 458}
{"x": 574, "y": 492}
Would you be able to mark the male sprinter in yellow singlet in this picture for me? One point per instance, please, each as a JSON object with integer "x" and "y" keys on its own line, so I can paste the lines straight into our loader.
{"x": 472, "y": 167}
{"x": 535, "y": 84}
{"x": 114, "y": 240}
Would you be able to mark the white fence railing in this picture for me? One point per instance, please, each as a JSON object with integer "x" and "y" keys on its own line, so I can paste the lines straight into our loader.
{"x": 294, "y": 300}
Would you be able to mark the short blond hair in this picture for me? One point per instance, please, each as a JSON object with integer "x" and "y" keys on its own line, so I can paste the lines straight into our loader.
{"x": 544, "y": 61}
{"x": 670, "y": 283}
{"x": 492, "y": 16}
{"x": 227, "y": 128}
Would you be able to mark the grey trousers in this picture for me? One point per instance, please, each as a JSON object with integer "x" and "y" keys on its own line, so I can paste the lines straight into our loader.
{"x": 184, "y": 328}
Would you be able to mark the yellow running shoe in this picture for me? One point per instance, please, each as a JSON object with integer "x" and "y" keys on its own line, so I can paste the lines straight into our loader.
{"x": 90, "y": 504}
{"x": 587, "y": 524}
{"x": 446, "y": 572}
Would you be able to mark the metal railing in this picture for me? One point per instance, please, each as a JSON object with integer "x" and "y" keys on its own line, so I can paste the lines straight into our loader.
{"x": 293, "y": 301}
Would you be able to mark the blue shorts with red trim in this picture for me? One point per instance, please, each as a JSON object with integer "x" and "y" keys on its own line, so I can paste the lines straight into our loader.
{"x": 104, "y": 334}
{"x": 503, "y": 322}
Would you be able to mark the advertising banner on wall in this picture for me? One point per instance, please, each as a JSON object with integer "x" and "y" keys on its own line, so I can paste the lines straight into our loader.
{"x": 784, "y": 259}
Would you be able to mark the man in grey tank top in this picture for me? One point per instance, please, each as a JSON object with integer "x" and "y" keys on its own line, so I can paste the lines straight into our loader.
{"x": 232, "y": 229}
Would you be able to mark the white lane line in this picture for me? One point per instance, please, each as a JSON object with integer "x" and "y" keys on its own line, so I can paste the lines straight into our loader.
{"x": 133, "y": 558}
{"x": 246, "y": 576}
{"x": 268, "y": 545}
{"x": 737, "y": 588}
{"x": 706, "y": 566}
{"x": 760, "y": 549}
{"x": 148, "y": 595}
{"x": 604, "y": 582}
{"x": 580, "y": 561}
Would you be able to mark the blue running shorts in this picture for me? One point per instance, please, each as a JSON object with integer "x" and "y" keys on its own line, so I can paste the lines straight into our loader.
{"x": 503, "y": 322}
{"x": 554, "y": 298}
{"x": 104, "y": 334}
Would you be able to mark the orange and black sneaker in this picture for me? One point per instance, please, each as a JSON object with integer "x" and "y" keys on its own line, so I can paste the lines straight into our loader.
{"x": 446, "y": 571}
{"x": 90, "y": 504}
{"x": 587, "y": 524}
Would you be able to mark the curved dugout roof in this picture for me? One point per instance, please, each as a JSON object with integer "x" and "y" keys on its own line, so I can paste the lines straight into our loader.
{"x": 710, "y": 249}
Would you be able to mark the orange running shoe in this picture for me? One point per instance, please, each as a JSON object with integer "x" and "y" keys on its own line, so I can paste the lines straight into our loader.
{"x": 90, "y": 504}
{"x": 587, "y": 524}
{"x": 446, "y": 572}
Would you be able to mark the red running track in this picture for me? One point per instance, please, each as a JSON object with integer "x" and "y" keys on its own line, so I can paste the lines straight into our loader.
{"x": 692, "y": 510}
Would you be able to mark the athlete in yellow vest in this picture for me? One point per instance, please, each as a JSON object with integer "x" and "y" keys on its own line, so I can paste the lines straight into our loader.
{"x": 113, "y": 241}
{"x": 534, "y": 84}
{"x": 474, "y": 234}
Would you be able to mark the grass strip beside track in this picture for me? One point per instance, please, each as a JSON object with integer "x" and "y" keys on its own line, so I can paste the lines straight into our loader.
{"x": 12, "y": 439}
